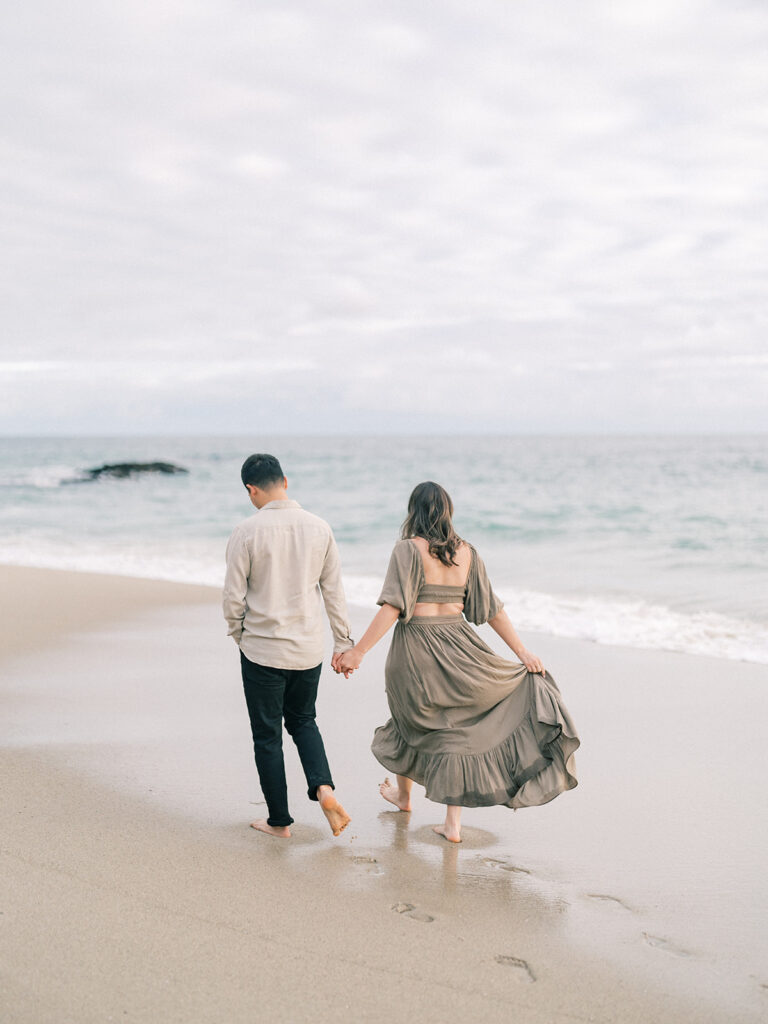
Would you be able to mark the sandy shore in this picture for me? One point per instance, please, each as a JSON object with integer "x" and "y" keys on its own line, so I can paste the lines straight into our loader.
{"x": 133, "y": 889}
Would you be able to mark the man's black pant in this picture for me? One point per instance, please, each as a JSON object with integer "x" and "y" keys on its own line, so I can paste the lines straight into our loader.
{"x": 274, "y": 694}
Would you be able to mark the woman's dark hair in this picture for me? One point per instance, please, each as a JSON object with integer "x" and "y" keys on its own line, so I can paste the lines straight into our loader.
{"x": 429, "y": 516}
{"x": 261, "y": 471}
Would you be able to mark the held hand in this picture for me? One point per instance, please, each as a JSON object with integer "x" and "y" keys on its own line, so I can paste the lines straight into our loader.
{"x": 531, "y": 662}
{"x": 348, "y": 661}
{"x": 336, "y": 666}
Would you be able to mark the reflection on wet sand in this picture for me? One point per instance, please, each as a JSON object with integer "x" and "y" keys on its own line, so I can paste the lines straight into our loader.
{"x": 464, "y": 876}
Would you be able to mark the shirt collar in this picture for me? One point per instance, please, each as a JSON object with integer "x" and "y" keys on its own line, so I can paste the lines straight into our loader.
{"x": 281, "y": 503}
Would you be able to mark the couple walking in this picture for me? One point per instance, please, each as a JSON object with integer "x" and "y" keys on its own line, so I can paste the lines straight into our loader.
{"x": 471, "y": 727}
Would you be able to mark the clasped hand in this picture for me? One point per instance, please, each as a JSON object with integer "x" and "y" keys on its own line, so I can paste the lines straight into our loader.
{"x": 345, "y": 662}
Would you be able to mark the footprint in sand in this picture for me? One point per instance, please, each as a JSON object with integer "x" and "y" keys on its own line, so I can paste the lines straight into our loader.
{"x": 370, "y": 863}
{"x": 502, "y": 865}
{"x": 411, "y": 911}
{"x": 521, "y": 968}
{"x": 661, "y": 943}
{"x": 603, "y": 898}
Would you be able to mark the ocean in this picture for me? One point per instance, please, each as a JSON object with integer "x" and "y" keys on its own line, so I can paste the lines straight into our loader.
{"x": 657, "y": 542}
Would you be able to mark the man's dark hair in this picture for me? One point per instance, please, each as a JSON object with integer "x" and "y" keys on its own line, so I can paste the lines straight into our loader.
{"x": 262, "y": 471}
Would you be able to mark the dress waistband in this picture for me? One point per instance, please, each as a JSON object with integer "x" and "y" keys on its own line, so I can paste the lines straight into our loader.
{"x": 440, "y": 593}
{"x": 431, "y": 620}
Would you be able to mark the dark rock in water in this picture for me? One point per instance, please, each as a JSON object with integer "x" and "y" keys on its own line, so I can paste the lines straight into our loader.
{"x": 123, "y": 469}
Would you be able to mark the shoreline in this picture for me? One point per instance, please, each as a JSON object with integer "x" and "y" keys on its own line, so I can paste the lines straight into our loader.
{"x": 65, "y": 601}
{"x": 161, "y": 590}
{"x": 638, "y": 896}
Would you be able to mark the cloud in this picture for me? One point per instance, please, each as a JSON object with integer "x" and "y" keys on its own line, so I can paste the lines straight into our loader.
{"x": 545, "y": 187}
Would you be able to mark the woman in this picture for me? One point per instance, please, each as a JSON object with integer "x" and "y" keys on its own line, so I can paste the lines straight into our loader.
{"x": 472, "y": 728}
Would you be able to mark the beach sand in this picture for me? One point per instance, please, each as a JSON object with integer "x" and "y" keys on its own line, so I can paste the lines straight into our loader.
{"x": 132, "y": 887}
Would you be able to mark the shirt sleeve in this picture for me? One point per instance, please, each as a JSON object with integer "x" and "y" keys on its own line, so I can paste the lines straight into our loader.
{"x": 403, "y": 579}
{"x": 236, "y": 584}
{"x": 334, "y": 600}
{"x": 480, "y": 603}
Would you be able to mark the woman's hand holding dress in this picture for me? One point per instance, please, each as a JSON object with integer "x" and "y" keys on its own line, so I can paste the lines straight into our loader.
{"x": 500, "y": 624}
{"x": 531, "y": 661}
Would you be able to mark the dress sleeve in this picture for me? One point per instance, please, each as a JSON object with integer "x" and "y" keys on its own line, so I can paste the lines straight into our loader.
{"x": 480, "y": 603}
{"x": 403, "y": 579}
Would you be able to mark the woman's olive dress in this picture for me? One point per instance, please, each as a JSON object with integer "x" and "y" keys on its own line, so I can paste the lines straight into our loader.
{"x": 471, "y": 727}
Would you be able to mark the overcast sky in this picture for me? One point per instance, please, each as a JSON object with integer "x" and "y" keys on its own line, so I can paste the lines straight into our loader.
{"x": 384, "y": 215}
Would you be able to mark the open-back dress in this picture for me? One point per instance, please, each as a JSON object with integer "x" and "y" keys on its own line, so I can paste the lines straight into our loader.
{"x": 471, "y": 727}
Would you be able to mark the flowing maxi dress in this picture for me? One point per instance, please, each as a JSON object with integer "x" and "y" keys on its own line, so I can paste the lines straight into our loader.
{"x": 471, "y": 727}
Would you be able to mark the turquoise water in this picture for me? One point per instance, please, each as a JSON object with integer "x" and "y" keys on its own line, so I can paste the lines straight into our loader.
{"x": 647, "y": 541}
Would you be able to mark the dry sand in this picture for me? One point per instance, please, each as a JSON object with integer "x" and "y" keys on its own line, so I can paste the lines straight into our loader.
{"x": 132, "y": 887}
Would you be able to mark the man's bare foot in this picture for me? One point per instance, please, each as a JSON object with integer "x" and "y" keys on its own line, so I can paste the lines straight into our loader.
{"x": 281, "y": 831}
{"x": 337, "y": 817}
{"x": 396, "y": 796}
{"x": 452, "y": 835}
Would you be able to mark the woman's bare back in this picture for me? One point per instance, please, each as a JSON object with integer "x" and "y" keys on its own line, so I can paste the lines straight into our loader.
{"x": 436, "y": 573}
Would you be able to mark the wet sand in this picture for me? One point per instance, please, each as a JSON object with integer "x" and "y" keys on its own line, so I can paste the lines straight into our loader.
{"x": 132, "y": 887}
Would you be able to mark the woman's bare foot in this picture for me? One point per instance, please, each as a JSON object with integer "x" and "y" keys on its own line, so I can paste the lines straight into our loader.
{"x": 400, "y": 798}
{"x": 280, "y": 831}
{"x": 452, "y": 835}
{"x": 451, "y": 828}
{"x": 337, "y": 817}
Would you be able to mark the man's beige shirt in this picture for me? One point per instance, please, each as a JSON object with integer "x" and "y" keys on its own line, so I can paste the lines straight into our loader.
{"x": 279, "y": 563}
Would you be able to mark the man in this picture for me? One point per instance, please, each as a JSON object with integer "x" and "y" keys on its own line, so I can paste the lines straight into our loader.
{"x": 279, "y": 563}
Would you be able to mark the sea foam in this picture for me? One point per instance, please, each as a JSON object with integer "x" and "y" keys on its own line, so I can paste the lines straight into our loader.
{"x": 593, "y": 618}
{"x": 615, "y": 622}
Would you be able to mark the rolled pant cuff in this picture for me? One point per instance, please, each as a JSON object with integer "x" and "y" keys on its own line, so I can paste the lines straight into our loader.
{"x": 279, "y": 824}
{"x": 312, "y": 791}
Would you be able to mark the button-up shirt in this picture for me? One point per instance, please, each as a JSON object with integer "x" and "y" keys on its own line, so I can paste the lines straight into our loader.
{"x": 279, "y": 564}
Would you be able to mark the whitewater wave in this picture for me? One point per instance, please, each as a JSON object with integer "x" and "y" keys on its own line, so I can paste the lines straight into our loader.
{"x": 128, "y": 561}
{"x": 43, "y": 477}
{"x": 601, "y": 620}
{"x": 638, "y": 624}
{"x": 615, "y": 622}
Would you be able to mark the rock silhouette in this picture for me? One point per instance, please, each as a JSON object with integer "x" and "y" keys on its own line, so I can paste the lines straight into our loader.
{"x": 124, "y": 469}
